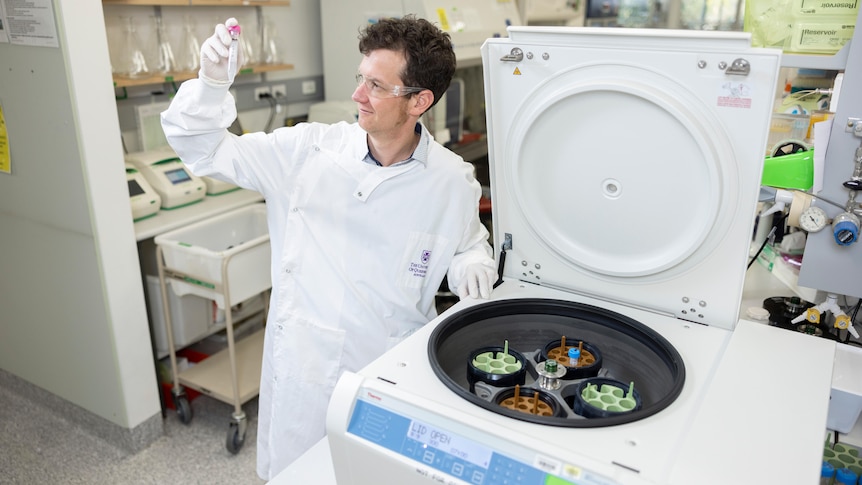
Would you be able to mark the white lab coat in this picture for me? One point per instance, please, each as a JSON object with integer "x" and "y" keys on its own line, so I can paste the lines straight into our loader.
{"x": 358, "y": 251}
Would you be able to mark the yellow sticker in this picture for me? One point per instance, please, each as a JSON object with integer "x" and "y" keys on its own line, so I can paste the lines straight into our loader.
{"x": 444, "y": 22}
{"x": 517, "y": 72}
{"x": 5, "y": 159}
{"x": 571, "y": 471}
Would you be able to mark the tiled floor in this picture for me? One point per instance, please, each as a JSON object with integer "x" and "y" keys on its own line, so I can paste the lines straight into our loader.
{"x": 41, "y": 447}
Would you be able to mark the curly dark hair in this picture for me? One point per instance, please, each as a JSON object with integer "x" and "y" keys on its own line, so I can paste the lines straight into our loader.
{"x": 427, "y": 49}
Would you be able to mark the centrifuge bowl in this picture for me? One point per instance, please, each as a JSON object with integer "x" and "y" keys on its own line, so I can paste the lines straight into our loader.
{"x": 632, "y": 352}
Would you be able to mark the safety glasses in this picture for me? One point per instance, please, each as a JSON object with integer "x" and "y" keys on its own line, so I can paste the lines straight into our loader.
{"x": 379, "y": 89}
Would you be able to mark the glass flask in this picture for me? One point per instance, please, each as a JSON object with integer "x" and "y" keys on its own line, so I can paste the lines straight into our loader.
{"x": 189, "y": 55}
{"x": 250, "y": 45}
{"x": 166, "y": 61}
{"x": 133, "y": 63}
{"x": 271, "y": 53}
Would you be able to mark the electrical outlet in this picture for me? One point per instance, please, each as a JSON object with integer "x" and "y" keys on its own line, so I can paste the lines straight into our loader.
{"x": 259, "y": 92}
{"x": 309, "y": 87}
{"x": 279, "y": 90}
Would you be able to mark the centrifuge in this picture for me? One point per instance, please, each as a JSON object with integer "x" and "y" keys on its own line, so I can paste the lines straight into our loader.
{"x": 625, "y": 170}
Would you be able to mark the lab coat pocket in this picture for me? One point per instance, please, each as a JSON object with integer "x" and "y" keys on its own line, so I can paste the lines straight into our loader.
{"x": 310, "y": 354}
{"x": 307, "y": 359}
{"x": 421, "y": 254}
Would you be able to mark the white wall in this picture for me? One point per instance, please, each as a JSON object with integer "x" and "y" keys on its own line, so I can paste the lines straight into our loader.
{"x": 74, "y": 322}
{"x": 73, "y": 315}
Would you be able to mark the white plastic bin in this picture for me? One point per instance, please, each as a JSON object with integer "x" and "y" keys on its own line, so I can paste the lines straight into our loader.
{"x": 191, "y": 316}
{"x": 198, "y": 250}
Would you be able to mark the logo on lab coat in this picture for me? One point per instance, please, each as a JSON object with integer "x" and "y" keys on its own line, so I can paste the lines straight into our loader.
{"x": 420, "y": 269}
{"x": 418, "y": 258}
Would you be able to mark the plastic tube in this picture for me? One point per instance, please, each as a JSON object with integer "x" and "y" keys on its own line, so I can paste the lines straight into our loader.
{"x": 574, "y": 356}
{"x": 234, "y": 51}
{"x": 827, "y": 473}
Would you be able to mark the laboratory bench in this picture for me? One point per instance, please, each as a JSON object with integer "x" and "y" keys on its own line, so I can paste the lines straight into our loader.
{"x": 212, "y": 205}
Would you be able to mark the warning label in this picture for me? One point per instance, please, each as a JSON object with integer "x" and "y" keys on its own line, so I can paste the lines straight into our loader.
{"x": 734, "y": 95}
{"x": 730, "y": 102}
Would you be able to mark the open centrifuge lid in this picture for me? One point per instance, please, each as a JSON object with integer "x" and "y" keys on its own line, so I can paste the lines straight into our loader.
{"x": 626, "y": 163}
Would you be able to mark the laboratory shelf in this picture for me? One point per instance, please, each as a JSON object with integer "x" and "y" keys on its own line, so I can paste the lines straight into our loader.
{"x": 835, "y": 62}
{"x": 242, "y": 3}
{"x": 190, "y": 3}
{"x": 123, "y": 82}
{"x": 211, "y": 376}
{"x": 212, "y": 205}
{"x": 178, "y": 3}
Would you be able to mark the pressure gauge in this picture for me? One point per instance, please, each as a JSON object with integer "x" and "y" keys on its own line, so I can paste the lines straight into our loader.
{"x": 845, "y": 228}
{"x": 813, "y": 219}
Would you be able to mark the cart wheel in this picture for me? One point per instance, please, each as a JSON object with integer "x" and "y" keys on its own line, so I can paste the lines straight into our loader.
{"x": 184, "y": 409}
{"x": 235, "y": 439}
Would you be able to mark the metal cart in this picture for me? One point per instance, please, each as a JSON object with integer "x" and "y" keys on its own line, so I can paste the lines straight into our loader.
{"x": 242, "y": 270}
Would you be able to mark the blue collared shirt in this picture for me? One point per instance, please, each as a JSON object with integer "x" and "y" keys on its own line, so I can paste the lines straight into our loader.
{"x": 420, "y": 154}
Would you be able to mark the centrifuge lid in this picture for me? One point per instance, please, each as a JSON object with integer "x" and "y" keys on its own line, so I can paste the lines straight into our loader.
{"x": 626, "y": 164}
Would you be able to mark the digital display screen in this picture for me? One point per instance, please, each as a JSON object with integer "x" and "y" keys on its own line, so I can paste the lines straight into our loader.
{"x": 178, "y": 176}
{"x": 135, "y": 188}
{"x": 447, "y": 452}
{"x": 450, "y": 443}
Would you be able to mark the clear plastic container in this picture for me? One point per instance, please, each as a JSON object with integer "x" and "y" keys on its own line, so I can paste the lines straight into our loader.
{"x": 820, "y": 35}
{"x": 801, "y": 26}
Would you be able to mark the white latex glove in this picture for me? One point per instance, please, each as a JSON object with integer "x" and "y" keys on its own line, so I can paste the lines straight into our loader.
{"x": 477, "y": 281}
{"x": 214, "y": 55}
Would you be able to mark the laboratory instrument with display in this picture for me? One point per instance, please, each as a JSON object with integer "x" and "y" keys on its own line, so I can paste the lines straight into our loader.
{"x": 165, "y": 172}
{"x": 625, "y": 169}
{"x": 143, "y": 198}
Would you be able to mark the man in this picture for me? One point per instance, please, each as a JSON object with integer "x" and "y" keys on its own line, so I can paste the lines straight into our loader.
{"x": 365, "y": 219}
